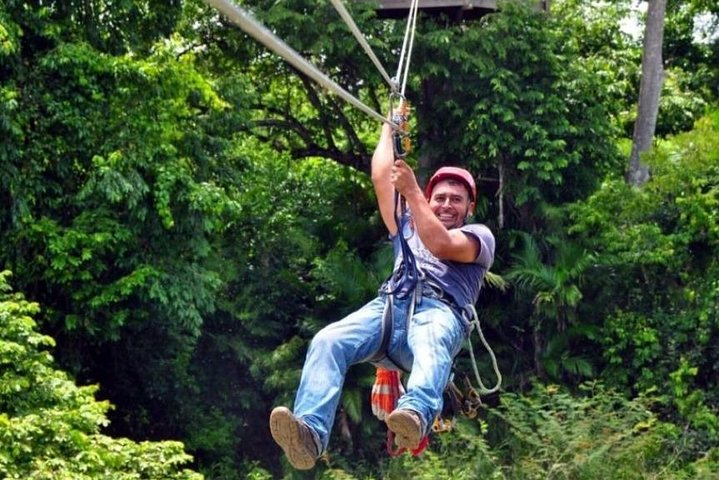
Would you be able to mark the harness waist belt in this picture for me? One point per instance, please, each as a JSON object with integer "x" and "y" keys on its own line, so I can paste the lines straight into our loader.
{"x": 432, "y": 290}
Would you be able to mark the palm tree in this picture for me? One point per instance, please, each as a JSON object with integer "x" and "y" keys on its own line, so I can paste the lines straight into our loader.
{"x": 554, "y": 289}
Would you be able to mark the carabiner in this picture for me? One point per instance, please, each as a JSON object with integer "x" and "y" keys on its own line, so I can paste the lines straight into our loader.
{"x": 400, "y": 114}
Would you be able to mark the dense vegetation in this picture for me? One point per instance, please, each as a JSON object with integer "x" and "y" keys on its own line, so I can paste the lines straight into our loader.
{"x": 183, "y": 211}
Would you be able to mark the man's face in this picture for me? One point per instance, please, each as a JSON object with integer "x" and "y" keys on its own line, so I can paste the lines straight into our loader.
{"x": 450, "y": 203}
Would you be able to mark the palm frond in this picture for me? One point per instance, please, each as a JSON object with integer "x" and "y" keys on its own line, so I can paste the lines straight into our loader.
{"x": 495, "y": 280}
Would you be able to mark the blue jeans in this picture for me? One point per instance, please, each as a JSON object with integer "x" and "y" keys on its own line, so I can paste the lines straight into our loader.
{"x": 425, "y": 345}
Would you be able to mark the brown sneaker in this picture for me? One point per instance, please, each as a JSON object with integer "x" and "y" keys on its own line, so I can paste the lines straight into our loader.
{"x": 407, "y": 428}
{"x": 295, "y": 438}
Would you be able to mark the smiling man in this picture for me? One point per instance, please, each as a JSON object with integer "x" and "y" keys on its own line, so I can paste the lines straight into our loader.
{"x": 419, "y": 332}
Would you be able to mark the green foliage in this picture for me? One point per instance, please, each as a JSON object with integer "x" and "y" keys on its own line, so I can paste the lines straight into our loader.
{"x": 290, "y": 112}
{"x": 656, "y": 279}
{"x": 347, "y": 279}
{"x": 615, "y": 56}
{"x": 463, "y": 454}
{"x": 520, "y": 103}
{"x": 550, "y": 433}
{"x": 556, "y": 288}
{"x": 691, "y": 403}
{"x": 680, "y": 105}
{"x": 116, "y": 203}
{"x": 120, "y": 188}
{"x": 547, "y": 283}
{"x": 116, "y": 27}
{"x": 186, "y": 244}
{"x": 609, "y": 52}
{"x": 120, "y": 181}
{"x": 9, "y": 33}
{"x": 50, "y": 427}
{"x": 686, "y": 51}
{"x": 597, "y": 434}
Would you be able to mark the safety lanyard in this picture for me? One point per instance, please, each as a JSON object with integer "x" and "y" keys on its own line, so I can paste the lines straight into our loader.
{"x": 405, "y": 278}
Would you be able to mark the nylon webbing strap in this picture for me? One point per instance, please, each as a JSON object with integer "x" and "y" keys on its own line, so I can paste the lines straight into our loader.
{"x": 387, "y": 329}
{"x": 407, "y": 43}
{"x": 404, "y": 280}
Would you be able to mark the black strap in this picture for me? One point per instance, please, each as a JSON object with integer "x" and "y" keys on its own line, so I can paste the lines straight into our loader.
{"x": 403, "y": 280}
{"x": 382, "y": 353}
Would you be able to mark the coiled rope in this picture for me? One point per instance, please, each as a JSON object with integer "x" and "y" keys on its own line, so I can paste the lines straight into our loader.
{"x": 471, "y": 312}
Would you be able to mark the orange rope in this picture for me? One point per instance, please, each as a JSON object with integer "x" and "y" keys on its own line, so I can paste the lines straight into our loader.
{"x": 386, "y": 391}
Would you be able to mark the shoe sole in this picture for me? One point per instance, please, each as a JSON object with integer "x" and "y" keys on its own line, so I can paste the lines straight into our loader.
{"x": 286, "y": 431}
{"x": 407, "y": 433}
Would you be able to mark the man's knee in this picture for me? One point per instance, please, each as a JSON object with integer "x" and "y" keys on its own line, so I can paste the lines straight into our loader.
{"x": 324, "y": 339}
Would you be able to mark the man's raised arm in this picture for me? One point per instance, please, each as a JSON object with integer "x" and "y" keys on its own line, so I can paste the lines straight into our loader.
{"x": 382, "y": 162}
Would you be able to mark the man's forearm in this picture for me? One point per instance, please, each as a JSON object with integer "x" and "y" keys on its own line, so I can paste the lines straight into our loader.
{"x": 433, "y": 234}
{"x": 382, "y": 162}
{"x": 383, "y": 156}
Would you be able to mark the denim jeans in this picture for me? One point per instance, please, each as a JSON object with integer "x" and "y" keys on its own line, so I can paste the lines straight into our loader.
{"x": 425, "y": 345}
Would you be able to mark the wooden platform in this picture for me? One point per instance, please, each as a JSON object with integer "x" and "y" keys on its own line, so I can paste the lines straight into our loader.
{"x": 454, "y": 9}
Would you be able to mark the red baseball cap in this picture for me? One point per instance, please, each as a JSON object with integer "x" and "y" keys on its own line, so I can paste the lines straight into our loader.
{"x": 454, "y": 173}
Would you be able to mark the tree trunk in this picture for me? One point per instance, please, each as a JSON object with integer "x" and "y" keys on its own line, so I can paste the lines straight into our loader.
{"x": 649, "y": 90}
{"x": 537, "y": 343}
{"x": 500, "y": 194}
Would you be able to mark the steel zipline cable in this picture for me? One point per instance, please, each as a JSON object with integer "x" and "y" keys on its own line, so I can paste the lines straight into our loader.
{"x": 400, "y": 78}
{"x": 340, "y": 7}
{"x": 259, "y": 32}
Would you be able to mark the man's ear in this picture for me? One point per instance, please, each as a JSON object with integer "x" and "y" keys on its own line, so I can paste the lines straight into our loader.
{"x": 470, "y": 210}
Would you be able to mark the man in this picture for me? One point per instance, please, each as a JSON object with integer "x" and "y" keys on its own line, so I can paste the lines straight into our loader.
{"x": 452, "y": 258}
